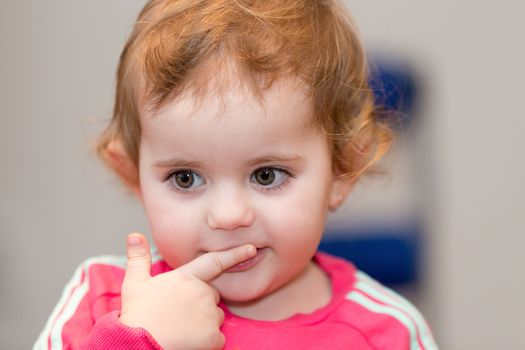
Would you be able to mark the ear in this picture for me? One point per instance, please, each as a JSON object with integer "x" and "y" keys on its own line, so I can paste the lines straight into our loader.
{"x": 118, "y": 159}
{"x": 341, "y": 188}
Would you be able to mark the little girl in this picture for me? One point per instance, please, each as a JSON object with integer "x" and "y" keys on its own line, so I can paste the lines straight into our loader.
{"x": 239, "y": 125}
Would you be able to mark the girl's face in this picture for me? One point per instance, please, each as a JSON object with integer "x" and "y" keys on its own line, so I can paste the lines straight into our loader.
{"x": 223, "y": 175}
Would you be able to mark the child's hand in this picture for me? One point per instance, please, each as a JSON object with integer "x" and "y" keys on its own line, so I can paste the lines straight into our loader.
{"x": 178, "y": 308}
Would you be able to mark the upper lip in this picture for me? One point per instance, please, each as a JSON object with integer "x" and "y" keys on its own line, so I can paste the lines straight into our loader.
{"x": 230, "y": 247}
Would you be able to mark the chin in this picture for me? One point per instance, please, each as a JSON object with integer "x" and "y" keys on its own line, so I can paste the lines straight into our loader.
{"x": 240, "y": 295}
{"x": 240, "y": 290}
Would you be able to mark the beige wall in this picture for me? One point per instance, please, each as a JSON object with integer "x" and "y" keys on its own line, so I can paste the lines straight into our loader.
{"x": 57, "y": 206}
{"x": 471, "y": 55}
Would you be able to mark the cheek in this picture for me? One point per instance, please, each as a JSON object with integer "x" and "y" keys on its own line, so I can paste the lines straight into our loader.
{"x": 175, "y": 236}
{"x": 174, "y": 226}
{"x": 298, "y": 222}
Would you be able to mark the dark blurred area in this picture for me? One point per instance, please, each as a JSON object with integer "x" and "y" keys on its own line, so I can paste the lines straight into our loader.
{"x": 389, "y": 254}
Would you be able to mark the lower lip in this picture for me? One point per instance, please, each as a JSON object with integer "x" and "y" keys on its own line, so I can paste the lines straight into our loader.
{"x": 250, "y": 263}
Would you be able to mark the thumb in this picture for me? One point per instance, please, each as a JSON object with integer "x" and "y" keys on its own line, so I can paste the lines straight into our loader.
{"x": 139, "y": 259}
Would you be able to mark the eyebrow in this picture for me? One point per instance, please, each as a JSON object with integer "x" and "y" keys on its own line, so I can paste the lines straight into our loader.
{"x": 270, "y": 158}
{"x": 172, "y": 162}
{"x": 278, "y": 157}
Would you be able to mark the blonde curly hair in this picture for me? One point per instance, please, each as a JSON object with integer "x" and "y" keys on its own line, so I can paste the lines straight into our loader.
{"x": 314, "y": 41}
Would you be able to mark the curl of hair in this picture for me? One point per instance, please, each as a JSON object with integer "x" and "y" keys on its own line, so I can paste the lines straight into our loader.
{"x": 312, "y": 40}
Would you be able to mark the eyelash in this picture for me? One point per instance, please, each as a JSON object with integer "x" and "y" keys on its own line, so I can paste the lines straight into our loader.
{"x": 263, "y": 188}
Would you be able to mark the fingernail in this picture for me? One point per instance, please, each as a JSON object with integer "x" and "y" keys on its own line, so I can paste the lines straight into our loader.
{"x": 251, "y": 250}
{"x": 134, "y": 240}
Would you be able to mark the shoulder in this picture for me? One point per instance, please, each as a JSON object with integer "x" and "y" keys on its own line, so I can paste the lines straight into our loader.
{"x": 104, "y": 274}
{"x": 384, "y": 317}
{"x": 93, "y": 291}
{"x": 387, "y": 315}
{"x": 101, "y": 276}
{"x": 95, "y": 275}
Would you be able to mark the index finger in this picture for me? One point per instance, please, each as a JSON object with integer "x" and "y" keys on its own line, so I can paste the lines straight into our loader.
{"x": 210, "y": 265}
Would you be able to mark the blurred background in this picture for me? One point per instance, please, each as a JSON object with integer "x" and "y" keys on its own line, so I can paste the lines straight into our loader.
{"x": 453, "y": 183}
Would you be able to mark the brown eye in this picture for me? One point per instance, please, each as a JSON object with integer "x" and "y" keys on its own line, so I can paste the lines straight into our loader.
{"x": 186, "y": 179}
{"x": 264, "y": 176}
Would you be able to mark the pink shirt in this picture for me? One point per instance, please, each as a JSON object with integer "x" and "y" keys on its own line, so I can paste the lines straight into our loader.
{"x": 361, "y": 315}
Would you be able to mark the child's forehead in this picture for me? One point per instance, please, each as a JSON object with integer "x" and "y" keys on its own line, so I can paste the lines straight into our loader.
{"x": 219, "y": 93}
{"x": 232, "y": 124}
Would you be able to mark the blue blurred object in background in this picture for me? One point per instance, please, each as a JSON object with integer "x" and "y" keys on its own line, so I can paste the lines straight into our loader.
{"x": 394, "y": 90}
{"x": 388, "y": 254}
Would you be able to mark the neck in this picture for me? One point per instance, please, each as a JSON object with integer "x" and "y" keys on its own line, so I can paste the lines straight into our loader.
{"x": 309, "y": 291}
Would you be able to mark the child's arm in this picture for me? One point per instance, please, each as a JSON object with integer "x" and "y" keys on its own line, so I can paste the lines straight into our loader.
{"x": 177, "y": 309}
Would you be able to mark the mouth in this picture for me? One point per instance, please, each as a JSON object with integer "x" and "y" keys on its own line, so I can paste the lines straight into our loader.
{"x": 250, "y": 263}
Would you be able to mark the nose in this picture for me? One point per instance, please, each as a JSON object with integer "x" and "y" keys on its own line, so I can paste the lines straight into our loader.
{"x": 229, "y": 210}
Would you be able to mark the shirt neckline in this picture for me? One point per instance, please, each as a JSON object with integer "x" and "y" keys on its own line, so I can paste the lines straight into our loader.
{"x": 342, "y": 277}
